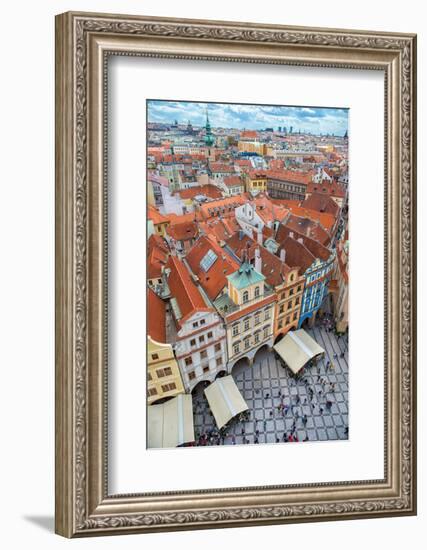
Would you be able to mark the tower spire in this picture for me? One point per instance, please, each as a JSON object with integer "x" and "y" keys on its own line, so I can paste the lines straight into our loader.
{"x": 209, "y": 139}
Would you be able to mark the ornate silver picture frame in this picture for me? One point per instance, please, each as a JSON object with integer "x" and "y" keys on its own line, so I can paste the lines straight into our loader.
{"x": 84, "y": 42}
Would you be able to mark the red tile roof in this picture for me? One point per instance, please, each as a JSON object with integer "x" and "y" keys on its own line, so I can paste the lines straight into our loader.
{"x": 293, "y": 176}
{"x": 257, "y": 174}
{"x": 158, "y": 242}
{"x": 332, "y": 189}
{"x": 272, "y": 268}
{"x": 244, "y": 163}
{"x": 181, "y": 218}
{"x": 156, "y": 317}
{"x": 267, "y": 210}
{"x": 314, "y": 248}
{"x": 183, "y": 231}
{"x": 158, "y": 253}
{"x": 327, "y": 221}
{"x": 221, "y": 168}
{"x": 209, "y": 190}
{"x": 155, "y": 216}
{"x": 220, "y": 228}
{"x": 309, "y": 228}
{"x": 249, "y": 134}
{"x": 277, "y": 164}
{"x": 321, "y": 203}
{"x": 297, "y": 255}
{"x": 287, "y": 203}
{"x": 184, "y": 290}
{"x": 224, "y": 207}
{"x": 233, "y": 181}
{"x": 214, "y": 280}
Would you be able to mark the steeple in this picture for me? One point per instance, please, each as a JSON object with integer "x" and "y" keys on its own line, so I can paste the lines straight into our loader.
{"x": 209, "y": 139}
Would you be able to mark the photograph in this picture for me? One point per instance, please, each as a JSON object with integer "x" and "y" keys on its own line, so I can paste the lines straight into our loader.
{"x": 247, "y": 274}
{"x": 214, "y": 367}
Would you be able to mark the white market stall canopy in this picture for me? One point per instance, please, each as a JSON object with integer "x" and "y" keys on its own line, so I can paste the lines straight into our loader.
{"x": 171, "y": 424}
{"x": 297, "y": 348}
{"x": 225, "y": 400}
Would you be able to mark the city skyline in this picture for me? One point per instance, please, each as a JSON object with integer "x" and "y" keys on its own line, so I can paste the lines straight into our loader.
{"x": 314, "y": 120}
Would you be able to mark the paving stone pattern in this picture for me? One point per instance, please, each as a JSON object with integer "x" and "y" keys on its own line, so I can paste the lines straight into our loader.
{"x": 267, "y": 384}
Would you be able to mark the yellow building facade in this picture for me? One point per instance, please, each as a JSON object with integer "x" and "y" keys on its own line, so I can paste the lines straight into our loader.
{"x": 252, "y": 147}
{"x": 256, "y": 182}
{"x": 159, "y": 221}
{"x": 250, "y": 314}
{"x": 289, "y": 299}
{"x": 163, "y": 374}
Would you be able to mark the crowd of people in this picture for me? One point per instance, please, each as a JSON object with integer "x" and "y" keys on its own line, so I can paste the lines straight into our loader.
{"x": 292, "y": 406}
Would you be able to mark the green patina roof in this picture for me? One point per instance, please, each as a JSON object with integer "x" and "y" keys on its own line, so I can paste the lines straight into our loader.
{"x": 245, "y": 276}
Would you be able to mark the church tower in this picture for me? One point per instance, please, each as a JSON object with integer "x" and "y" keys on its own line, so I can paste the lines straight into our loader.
{"x": 209, "y": 138}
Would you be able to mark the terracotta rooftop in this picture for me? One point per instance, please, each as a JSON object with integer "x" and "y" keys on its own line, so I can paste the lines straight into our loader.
{"x": 211, "y": 263}
{"x": 243, "y": 163}
{"x": 327, "y": 221}
{"x": 158, "y": 242}
{"x": 249, "y": 134}
{"x": 156, "y": 317}
{"x": 272, "y": 268}
{"x": 257, "y": 174}
{"x": 267, "y": 210}
{"x": 293, "y": 176}
{"x": 184, "y": 290}
{"x": 220, "y": 228}
{"x": 183, "y": 231}
{"x": 221, "y": 168}
{"x": 277, "y": 164}
{"x": 209, "y": 190}
{"x": 221, "y": 207}
{"x": 158, "y": 254}
{"x": 321, "y": 203}
{"x": 332, "y": 189}
{"x": 232, "y": 181}
{"x": 155, "y": 216}
{"x": 297, "y": 255}
{"x": 316, "y": 249}
{"x": 181, "y": 218}
{"x": 308, "y": 227}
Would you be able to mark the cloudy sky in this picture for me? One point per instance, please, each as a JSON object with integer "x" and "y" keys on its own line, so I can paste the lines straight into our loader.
{"x": 307, "y": 119}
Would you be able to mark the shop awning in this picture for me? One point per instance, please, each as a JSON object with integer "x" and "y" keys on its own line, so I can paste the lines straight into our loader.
{"x": 297, "y": 348}
{"x": 225, "y": 400}
{"x": 171, "y": 424}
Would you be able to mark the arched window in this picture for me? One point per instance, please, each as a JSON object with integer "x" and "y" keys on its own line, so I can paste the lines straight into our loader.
{"x": 245, "y": 296}
{"x": 256, "y": 291}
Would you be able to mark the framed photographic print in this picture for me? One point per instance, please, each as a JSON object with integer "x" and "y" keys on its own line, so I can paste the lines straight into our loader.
{"x": 235, "y": 274}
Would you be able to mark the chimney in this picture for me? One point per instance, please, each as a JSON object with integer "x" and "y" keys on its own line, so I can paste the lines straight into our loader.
{"x": 300, "y": 240}
{"x": 258, "y": 261}
{"x": 283, "y": 255}
{"x": 259, "y": 237}
{"x": 291, "y": 234}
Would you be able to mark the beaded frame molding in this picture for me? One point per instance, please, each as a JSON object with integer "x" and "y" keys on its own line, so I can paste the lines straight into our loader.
{"x": 84, "y": 42}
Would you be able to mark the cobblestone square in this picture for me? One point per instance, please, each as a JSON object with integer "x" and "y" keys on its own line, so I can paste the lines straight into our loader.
{"x": 278, "y": 402}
